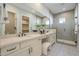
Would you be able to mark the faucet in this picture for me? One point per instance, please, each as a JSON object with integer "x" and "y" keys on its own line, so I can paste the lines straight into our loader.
{"x": 21, "y": 34}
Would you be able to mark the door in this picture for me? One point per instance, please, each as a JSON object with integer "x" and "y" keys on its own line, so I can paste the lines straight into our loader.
{"x": 35, "y": 48}
{"x": 65, "y": 26}
{"x": 10, "y": 26}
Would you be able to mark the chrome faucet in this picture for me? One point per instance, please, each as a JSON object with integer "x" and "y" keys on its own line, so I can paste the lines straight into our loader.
{"x": 21, "y": 34}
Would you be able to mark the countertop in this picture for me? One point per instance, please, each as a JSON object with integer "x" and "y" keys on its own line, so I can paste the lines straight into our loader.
{"x": 13, "y": 39}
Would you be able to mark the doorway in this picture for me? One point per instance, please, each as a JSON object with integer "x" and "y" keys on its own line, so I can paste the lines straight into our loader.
{"x": 10, "y": 27}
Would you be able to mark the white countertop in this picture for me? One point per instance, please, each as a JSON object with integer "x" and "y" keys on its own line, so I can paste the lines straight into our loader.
{"x": 5, "y": 41}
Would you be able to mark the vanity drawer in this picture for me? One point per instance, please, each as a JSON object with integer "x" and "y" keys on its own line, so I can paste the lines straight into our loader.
{"x": 52, "y": 36}
{"x": 9, "y": 49}
{"x": 28, "y": 43}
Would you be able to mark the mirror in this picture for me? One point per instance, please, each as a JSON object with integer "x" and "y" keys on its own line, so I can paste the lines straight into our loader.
{"x": 42, "y": 24}
{"x": 38, "y": 20}
{"x": 10, "y": 26}
{"x": 46, "y": 21}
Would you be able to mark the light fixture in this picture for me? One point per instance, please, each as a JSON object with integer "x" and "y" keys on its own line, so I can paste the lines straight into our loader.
{"x": 4, "y": 13}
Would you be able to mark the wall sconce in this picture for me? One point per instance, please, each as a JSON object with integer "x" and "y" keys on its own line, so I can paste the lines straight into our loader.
{"x": 4, "y": 14}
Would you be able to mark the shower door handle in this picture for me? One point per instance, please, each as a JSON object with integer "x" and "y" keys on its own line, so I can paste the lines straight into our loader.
{"x": 64, "y": 29}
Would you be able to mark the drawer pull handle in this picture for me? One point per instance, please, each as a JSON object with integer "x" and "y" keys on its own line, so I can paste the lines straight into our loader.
{"x": 31, "y": 49}
{"x": 11, "y": 49}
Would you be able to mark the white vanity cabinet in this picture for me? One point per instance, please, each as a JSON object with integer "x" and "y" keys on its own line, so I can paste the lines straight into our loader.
{"x": 31, "y": 47}
{"x": 34, "y": 46}
{"x": 26, "y": 46}
{"x": 52, "y": 38}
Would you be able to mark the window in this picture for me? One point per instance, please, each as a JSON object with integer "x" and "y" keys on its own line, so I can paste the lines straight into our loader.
{"x": 47, "y": 22}
{"x": 62, "y": 20}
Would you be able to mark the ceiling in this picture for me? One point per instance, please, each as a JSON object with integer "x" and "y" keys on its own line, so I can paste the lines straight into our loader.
{"x": 53, "y": 7}
{"x": 59, "y": 7}
{"x": 27, "y": 7}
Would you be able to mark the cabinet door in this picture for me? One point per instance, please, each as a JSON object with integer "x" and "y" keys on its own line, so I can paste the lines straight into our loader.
{"x": 22, "y": 52}
{"x": 52, "y": 38}
{"x": 36, "y": 48}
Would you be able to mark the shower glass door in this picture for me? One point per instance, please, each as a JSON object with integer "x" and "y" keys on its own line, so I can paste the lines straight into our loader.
{"x": 65, "y": 26}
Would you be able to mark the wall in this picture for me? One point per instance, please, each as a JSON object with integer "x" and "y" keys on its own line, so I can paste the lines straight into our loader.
{"x": 0, "y": 19}
{"x": 1, "y": 25}
{"x": 78, "y": 14}
{"x": 78, "y": 27}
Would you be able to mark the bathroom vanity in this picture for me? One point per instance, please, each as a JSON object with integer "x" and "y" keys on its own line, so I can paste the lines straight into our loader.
{"x": 29, "y": 45}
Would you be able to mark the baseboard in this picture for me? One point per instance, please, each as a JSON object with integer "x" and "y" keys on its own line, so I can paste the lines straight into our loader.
{"x": 66, "y": 42}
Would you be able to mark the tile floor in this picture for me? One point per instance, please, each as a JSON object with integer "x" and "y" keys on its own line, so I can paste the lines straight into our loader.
{"x": 59, "y": 49}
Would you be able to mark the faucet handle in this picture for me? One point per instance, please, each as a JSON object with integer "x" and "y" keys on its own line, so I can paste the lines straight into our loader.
{"x": 22, "y": 34}
{"x": 19, "y": 34}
